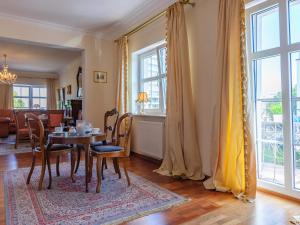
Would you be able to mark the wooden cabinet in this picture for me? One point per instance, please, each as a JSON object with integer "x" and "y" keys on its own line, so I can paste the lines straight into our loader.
{"x": 76, "y": 106}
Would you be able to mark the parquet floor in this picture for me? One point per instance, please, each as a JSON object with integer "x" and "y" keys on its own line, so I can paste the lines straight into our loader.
{"x": 205, "y": 207}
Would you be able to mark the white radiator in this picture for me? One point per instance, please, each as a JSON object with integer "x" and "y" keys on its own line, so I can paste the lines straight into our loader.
{"x": 148, "y": 138}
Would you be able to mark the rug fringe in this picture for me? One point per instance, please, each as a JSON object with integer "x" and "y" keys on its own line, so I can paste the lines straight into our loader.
{"x": 146, "y": 213}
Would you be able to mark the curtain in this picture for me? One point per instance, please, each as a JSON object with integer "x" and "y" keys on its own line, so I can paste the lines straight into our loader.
{"x": 51, "y": 94}
{"x": 182, "y": 154}
{"x": 235, "y": 168}
{"x": 122, "y": 92}
{"x": 6, "y": 96}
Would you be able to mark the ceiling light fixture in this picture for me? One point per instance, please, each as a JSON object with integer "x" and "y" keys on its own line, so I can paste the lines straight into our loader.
{"x": 5, "y": 76}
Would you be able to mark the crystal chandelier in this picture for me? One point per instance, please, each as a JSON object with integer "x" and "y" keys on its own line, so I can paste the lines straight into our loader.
{"x": 5, "y": 76}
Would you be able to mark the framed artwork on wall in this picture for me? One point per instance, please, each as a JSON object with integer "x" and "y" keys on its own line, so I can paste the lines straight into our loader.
{"x": 100, "y": 77}
{"x": 69, "y": 90}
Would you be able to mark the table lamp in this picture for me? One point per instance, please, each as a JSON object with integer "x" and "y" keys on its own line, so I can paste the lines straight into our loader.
{"x": 142, "y": 98}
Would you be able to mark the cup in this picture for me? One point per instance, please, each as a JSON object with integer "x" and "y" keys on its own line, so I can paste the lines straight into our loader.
{"x": 95, "y": 130}
{"x": 58, "y": 129}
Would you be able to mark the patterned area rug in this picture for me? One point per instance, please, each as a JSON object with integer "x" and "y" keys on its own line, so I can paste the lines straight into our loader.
{"x": 67, "y": 202}
{"x": 7, "y": 146}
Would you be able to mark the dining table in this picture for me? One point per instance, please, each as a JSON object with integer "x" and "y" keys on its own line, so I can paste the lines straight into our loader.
{"x": 84, "y": 140}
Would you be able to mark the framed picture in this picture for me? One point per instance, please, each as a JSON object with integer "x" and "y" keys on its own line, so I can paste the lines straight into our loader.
{"x": 69, "y": 90}
{"x": 100, "y": 77}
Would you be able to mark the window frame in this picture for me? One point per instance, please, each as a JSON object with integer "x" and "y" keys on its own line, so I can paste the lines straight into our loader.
{"x": 283, "y": 51}
{"x": 159, "y": 78}
{"x": 31, "y": 97}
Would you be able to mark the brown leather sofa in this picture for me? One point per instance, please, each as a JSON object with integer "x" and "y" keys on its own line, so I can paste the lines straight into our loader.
{"x": 8, "y": 113}
{"x": 4, "y": 127}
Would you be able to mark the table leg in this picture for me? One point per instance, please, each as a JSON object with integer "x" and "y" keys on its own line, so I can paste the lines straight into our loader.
{"x": 87, "y": 157}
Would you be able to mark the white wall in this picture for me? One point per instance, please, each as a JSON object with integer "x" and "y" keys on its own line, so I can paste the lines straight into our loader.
{"x": 68, "y": 76}
{"x": 98, "y": 55}
{"x": 34, "y": 78}
{"x": 149, "y": 35}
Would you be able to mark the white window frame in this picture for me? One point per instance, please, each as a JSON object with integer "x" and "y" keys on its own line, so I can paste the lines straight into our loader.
{"x": 284, "y": 51}
{"x": 31, "y": 97}
{"x": 159, "y": 78}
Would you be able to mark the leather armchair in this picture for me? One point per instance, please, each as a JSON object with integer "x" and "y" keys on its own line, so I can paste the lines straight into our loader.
{"x": 4, "y": 127}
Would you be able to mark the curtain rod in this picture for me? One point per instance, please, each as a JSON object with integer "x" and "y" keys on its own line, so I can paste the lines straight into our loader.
{"x": 153, "y": 19}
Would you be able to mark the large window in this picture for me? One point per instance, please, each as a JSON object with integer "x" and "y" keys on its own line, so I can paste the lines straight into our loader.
{"x": 29, "y": 97}
{"x": 273, "y": 39}
{"x": 152, "y": 79}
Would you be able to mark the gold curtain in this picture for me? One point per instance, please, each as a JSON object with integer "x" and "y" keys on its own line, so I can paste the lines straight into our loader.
{"x": 182, "y": 154}
{"x": 51, "y": 94}
{"x": 122, "y": 89}
{"x": 235, "y": 154}
{"x": 6, "y": 96}
{"x": 122, "y": 92}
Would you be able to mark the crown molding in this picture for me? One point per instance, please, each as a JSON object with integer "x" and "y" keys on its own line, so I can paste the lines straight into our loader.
{"x": 135, "y": 18}
{"x": 43, "y": 23}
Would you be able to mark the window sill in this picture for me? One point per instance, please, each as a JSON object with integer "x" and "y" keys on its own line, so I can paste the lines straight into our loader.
{"x": 150, "y": 115}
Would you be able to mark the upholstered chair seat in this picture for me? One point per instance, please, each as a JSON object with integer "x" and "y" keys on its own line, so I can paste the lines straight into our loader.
{"x": 107, "y": 148}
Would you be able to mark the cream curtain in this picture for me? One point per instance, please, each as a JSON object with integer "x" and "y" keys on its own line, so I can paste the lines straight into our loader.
{"x": 51, "y": 94}
{"x": 182, "y": 156}
{"x": 235, "y": 155}
{"x": 122, "y": 92}
{"x": 6, "y": 96}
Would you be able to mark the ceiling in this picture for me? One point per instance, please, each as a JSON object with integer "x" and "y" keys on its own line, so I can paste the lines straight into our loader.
{"x": 87, "y": 15}
{"x": 28, "y": 57}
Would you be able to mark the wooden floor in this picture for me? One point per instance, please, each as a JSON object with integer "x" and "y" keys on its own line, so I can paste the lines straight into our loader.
{"x": 205, "y": 207}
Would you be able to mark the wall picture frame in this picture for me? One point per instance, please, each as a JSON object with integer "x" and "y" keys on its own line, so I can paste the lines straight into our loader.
{"x": 100, "y": 77}
{"x": 69, "y": 90}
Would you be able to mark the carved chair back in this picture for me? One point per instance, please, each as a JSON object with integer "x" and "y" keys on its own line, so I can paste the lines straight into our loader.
{"x": 36, "y": 131}
{"x": 110, "y": 122}
{"x": 124, "y": 127}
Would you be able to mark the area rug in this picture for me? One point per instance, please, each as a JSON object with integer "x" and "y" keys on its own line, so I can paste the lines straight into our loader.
{"x": 67, "y": 202}
{"x": 7, "y": 146}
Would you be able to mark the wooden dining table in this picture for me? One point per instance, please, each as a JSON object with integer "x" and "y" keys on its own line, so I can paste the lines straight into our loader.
{"x": 77, "y": 139}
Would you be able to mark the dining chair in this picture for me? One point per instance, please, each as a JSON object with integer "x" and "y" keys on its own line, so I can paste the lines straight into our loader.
{"x": 110, "y": 123}
{"x": 38, "y": 143}
{"x": 116, "y": 150}
{"x": 22, "y": 131}
{"x": 55, "y": 118}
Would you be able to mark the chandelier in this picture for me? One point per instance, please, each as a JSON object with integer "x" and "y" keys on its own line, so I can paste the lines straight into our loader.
{"x": 5, "y": 76}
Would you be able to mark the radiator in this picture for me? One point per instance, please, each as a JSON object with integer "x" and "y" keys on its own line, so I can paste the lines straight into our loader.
{"x": 148, "y": 138}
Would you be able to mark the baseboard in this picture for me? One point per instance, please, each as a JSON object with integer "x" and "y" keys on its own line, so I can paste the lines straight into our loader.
{"x": 147, "y": 158}
{"x": 287, "y": 197}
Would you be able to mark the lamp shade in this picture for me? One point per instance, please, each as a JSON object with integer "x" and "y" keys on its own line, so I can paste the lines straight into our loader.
{"x": 142, "y": 97}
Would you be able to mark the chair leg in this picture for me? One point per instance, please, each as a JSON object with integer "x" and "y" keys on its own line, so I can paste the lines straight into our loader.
{"x": 42, "y": 171}
{"x": 78, "y": 159}
{"x": 72, "y": 165}
{"x": 49, "y": 169}
{"x": 99, "y": 172}
{"x": 126, "y": 173}
{"x": 105, "y": 163}
{"x": 57, "y": 166}
{"x": 91, "y": 168}
{"x": 17, "y": 141}
{"x": 31, "y": 169}
{"x": 102, "y": 167}
{"x": 117, "y": 167}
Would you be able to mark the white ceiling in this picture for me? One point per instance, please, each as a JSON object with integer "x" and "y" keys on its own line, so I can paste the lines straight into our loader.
{"x": 28, "y": 57}
{"x": 87, "y": 15}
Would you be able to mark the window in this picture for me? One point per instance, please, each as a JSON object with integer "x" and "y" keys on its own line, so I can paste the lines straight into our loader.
{"x": 273, "y": 38}
{"x": 29, "y": 97}
{"x": 152, "y": 79}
